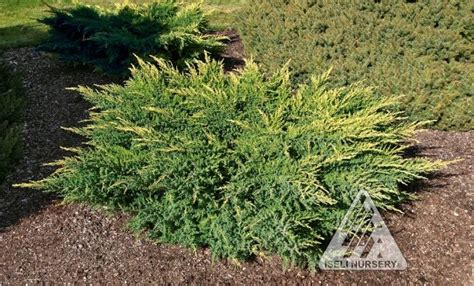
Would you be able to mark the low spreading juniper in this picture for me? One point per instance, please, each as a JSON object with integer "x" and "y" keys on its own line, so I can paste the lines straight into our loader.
{"x": 107, "y": 39}
{"x": 241, "y": 163}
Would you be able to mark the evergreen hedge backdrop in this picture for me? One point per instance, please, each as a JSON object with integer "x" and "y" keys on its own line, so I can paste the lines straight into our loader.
{"x": 420, "y": 49}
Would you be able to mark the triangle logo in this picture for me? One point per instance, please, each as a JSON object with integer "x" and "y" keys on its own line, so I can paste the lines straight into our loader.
{"x": 362, "y": 241}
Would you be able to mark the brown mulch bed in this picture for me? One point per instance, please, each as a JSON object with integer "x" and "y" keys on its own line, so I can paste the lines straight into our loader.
{"x": 233, "y": 55}
{"x": 44, "y": 241}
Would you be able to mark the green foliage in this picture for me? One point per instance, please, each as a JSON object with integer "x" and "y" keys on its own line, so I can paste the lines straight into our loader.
{"x": 420, "y": 49}
{"x": 238, "y": 162}
{"x": 18, "y": 26}
{"x": 108, "y": 38}
{"x": 11, "y": 110}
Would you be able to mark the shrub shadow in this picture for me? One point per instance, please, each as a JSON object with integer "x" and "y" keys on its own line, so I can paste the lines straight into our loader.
{"x": 21, "y": 35}
{"x": 233, "y": 54}
{"x": 50, "y": 106}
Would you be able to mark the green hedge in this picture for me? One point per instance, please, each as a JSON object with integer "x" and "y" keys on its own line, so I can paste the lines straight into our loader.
{"x": 237, "y": 162}
{"x": 420, "y": 49}
{"x": 12, "y": 103}
{"x": 108, "y": 38}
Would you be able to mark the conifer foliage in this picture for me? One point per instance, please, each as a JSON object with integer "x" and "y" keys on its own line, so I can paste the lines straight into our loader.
{"x": 237, "y": 162}
{"x": 108, "y": 38}
{"x": 12, "y": 102}
{"x": 420, "y": 49}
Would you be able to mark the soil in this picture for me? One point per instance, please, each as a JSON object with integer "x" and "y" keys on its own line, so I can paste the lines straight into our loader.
{"x": 42, "y": 240}
{"x": 233, "y": 55}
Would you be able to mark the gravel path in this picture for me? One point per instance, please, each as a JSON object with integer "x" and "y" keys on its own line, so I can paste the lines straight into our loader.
{"x": 44, "y": 241}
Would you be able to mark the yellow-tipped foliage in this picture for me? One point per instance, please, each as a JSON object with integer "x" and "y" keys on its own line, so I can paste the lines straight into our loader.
{"x": 238, "y": 162}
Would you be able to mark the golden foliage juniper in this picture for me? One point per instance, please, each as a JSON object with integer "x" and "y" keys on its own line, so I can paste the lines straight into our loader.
{"x": 237, "y": 162}
{"x": 421, "y": 49}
